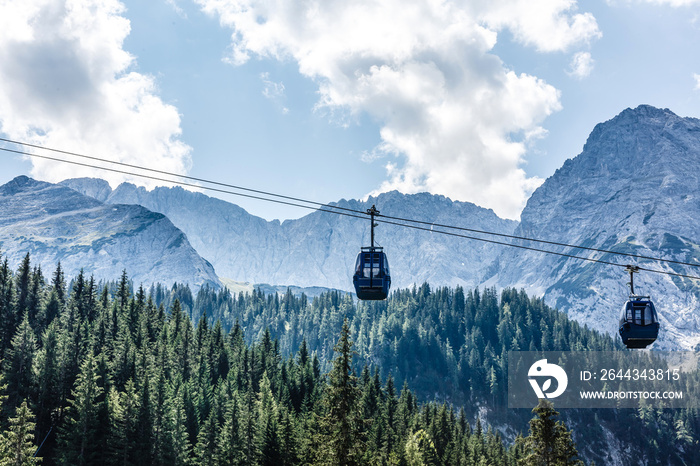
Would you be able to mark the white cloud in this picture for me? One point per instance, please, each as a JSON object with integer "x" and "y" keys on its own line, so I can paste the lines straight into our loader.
{"x": 271, "y": 89}
{"x": 696, "y": 77}
{"x": 548, "y": 25}
{"x": 274, "y": 91}
{"x": 65, "y": 82}
{"x": 581, "y": 65}
{"x": 453, "y": 119}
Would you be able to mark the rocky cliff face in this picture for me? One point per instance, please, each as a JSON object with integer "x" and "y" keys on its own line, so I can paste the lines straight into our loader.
{"x": 319, "y": 249}
{"x": 635, "y": 188}
{"x": 54, "y": 223}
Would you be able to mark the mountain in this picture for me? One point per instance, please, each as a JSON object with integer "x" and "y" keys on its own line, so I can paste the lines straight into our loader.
{"x": 320, "y": 248}
{"x": 55, "y": 223}
{"x": 634, "y": 188}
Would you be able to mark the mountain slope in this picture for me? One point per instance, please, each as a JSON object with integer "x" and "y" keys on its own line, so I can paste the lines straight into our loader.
{"x": 319, "y": 249}
{"x": 634, "y": 188}
{"x": 54, "y": 223}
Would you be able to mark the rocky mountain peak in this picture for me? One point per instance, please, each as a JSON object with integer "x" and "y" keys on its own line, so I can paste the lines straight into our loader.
{"x": 20, "y": 183}
{"x": 634, "y": 188}
{"x": 56, "y": 223}
{"x": 93, "y": 187}
{"x": 638, "y": 140}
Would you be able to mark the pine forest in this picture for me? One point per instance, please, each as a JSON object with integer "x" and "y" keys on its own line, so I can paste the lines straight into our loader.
{"x": 115, "y": 374}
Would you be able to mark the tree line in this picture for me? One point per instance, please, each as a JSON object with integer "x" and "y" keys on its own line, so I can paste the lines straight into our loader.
{"x": 102, "y": 374}
{"x": 450, "y": 345}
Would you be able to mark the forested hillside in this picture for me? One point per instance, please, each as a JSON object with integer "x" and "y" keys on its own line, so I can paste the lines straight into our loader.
{"x": 106, "y": 376}
{"x": 112, "y": 375}
{"x": 450, "y": 345}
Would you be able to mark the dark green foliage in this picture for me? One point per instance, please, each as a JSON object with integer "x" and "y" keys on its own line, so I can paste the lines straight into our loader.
{"x": 122, "y": 376}
{"x": 18, "y": 364}
{"x": 17, "y": 443}
{"x": 8, "y": 312}
{"x": 80, "y": 433}
{"x": 549, "y": 443}
{"x": 229, "y": 445}
{"x": 343, "y": 421}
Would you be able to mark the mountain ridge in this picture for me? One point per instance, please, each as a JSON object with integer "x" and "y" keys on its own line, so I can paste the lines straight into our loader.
{"x": 320, "y": 248}
{"x": 634, "y": 188}
{"x": 54, "y": 223}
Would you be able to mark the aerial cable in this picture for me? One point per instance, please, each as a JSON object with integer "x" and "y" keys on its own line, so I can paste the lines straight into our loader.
{"x": 589, "y": 259}
{"x": 346, "y": 212}
{"x": 553, "y": 243}
{"x": 163, "y": 172}
{"x": 155, "y": 178}
{"x": 328, "y": 206}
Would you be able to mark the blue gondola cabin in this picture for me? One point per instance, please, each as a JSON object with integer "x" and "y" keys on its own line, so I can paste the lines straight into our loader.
{"x": 372, "y": 279}
{"x": 639, "y": 324}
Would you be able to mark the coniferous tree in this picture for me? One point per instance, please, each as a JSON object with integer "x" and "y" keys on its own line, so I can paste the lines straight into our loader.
{"x": 420, "y": 450}
{"x": 8, "y": 314}
{"x": 205, "y": 450}
{"x": 287, "y": 438}
{"x": 50, "y": 309}
{"x": 124, "y": 408}
{"x": 390, "y": 407}
{"x": 58, "y": 284}
{"x": 19, "y": 364}
{"x": 79, "y": 435}
{"x": 180, "y": 439}
{"x": 268, "y": 434}
{"x": 47, "y": 369}
{"x": 17, "y": 446}
{"x": 35, "y": 296}
{"x": 342, "y": 422}
{"x": 23, "y": 285}
{"x": 251, "y": 447}
{"x": 229, "y": 445}
{"x": 160, "y": 420}
{"x": 549, "y": 442}
{"x": 144, "y": 422}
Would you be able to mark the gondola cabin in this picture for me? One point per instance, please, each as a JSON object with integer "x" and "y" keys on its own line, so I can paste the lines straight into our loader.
{"x": 639, "y": 324}
{"x": 372, "y": 279}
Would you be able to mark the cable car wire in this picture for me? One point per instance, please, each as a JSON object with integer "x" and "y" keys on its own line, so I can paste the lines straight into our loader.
{"x": 329, "y": 206}
{"x": 345, "y": 211}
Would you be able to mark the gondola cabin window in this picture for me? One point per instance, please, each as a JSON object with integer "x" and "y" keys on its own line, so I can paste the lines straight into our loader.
{"x": 371, "y": 265}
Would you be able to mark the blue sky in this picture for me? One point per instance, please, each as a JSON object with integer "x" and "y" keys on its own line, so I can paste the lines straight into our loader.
{"x": 479, "y": 101}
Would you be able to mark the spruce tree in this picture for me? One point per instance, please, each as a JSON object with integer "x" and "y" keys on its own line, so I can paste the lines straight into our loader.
{"x": 58, "y": 284}
{"x": 205, "y": 450}
{"x": 47, "y": 374}
{"x": 288, "y": 438}
{"x": 19, "y": 364}
{"x": 17, "y": 443}
{"x": 78, "y": 437}
{"x": 179, "y": 437}
{"x": 549, "y": 442}
{"x": 342, "y": 423}
{"x": 23, "y": 285}
{"x": 230, "y": 444}
{"x": 420, "y": 450}
{"x": 8, "y": 313}
{"x": 124, "y": 408}
{"x": 267, "y": 414}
